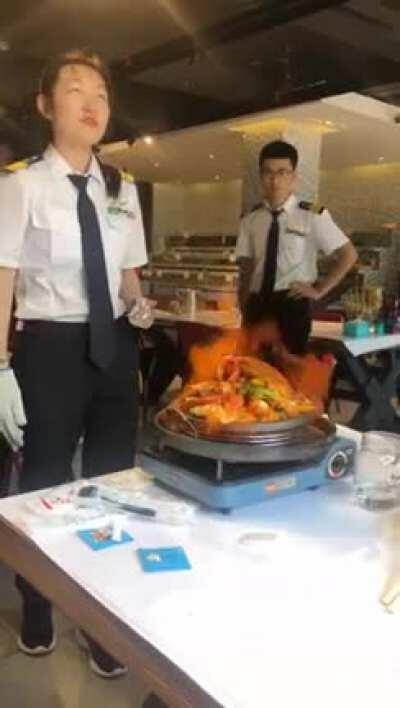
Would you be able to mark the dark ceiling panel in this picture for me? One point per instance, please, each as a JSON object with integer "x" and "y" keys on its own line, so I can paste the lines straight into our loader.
{"x": 261, "y": 15}
{"x": 118, "y": 28}
{"x": 313, "y": 56}
{"x": 183, "y": 62}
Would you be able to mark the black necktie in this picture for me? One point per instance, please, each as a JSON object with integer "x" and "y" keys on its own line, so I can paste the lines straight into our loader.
{"x": 271, "y": 256}
{"x": 101, "y": 316}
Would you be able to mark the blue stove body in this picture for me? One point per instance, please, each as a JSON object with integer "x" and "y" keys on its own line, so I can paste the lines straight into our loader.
{"x": 236, "y": 485}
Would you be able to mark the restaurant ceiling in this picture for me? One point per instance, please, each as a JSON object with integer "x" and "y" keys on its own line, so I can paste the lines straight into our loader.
{"x": 178, "y": 63}
{"x": 216, "y": 153}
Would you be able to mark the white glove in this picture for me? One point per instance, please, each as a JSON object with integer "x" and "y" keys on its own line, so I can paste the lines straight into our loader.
{"x": 141, "y": 313}
{"x": 12, "y": 414}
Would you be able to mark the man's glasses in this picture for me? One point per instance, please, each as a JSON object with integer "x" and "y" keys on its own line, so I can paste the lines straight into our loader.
{"x": 280, "y": 174}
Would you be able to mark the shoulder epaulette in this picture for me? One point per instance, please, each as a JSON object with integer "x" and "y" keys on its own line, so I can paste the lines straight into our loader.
{"x": 255, "y": 208}
{"x": 311, "y": 206}
{"x": 20, "y": 165}
{"x": 126, "y": 176}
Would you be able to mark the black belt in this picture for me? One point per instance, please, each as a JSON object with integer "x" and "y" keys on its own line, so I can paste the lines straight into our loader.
{"x": 42, "y": 326}
{"x": 49, "y": 326}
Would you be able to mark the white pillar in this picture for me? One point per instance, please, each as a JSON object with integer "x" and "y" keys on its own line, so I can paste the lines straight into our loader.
{"x": 309, "y": 144}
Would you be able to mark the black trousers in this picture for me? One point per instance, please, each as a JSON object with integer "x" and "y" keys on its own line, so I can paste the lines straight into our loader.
{"x": 66, "y": 397}
{"x": 292, "y": 316}
{"x": 5, "y": 467}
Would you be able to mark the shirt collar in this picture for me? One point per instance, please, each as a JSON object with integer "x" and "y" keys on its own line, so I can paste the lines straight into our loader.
{"x": 60, "y": 166}
{"x": 286, "y": 206}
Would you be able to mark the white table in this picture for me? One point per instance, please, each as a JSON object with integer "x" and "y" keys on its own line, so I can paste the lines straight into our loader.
{"x": 300, "y": 626}
{"x": 357, "y": 347}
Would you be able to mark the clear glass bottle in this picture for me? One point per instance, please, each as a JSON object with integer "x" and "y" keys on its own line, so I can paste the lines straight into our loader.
{"x": 377, "y": 471}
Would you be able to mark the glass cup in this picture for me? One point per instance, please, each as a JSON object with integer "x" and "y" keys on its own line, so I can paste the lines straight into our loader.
{"x": 187, "y": 301}
{"x": 377, "y": 471}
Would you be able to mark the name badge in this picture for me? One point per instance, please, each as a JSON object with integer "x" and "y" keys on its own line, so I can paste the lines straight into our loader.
{"x": 118, "y": 207}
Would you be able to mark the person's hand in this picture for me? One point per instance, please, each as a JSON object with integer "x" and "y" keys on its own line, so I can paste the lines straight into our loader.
{"x": 141, "y": 313}
{"x": 300, "y": 290}
{"x": 12, "y": 414}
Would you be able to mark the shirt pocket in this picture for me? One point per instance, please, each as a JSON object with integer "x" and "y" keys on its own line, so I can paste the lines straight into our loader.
{"x": 293, "y": 249}
{"x": 37, "y": 244}
{"x": 119, "y": 228}
{"x": 65, "y": 236}
{"x": 257, "y": 246}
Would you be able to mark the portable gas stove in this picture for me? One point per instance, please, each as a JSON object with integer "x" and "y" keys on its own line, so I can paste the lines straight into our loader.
{"x": 224, "y": 475}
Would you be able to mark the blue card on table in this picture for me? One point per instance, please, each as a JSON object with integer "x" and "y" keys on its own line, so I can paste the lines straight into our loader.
{"x": 158, "y": 560}
{"x": 101, "y": 538}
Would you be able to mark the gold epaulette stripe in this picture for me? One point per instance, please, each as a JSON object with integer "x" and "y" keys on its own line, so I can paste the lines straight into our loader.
{"x": 19, "y": 165}
{"x": 16, "y": 166}
{"x": 126, "y": 176}
{"x": 313, "y": 207}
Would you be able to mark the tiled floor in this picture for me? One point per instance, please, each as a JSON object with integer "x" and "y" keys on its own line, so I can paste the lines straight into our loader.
{"x": 61, "y": 680}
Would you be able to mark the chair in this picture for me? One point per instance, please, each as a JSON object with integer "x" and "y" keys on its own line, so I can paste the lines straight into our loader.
{"x": 328, "y": 315}
{"x": 341, "y": 386}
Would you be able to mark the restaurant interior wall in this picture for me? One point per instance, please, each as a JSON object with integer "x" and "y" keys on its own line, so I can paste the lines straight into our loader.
{"x": 168, "y": 216}
{"x": 364, "y": 196}
{"x": 359, "y": 197}
{"x": 200, "y": 208}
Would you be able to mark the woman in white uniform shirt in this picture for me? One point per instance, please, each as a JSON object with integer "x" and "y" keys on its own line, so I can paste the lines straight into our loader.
{"x": 71, "y": 239}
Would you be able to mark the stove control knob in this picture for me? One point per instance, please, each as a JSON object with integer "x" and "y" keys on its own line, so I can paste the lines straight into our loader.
{"x": 338, "y": 465}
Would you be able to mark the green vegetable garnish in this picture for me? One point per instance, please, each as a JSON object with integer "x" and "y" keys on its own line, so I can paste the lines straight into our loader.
{"x": 256, "y": 389}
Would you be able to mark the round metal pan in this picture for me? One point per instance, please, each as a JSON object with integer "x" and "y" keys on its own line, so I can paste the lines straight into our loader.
{"x": 246, "y": 432}
{"x": 303, "y": 444}
{"x": 265, "y": 428}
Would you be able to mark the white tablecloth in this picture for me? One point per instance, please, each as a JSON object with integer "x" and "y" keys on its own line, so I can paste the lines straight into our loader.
{"x": 297, "y": 626}
{"x": 364, "y": 345}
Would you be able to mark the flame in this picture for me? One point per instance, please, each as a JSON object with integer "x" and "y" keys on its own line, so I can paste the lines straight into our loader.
{"x": 307, "y": 374}
{"x": 205, "y": 359}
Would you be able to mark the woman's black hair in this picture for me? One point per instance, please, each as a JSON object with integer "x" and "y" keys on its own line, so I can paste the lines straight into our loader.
{"x": 112, "y": 179}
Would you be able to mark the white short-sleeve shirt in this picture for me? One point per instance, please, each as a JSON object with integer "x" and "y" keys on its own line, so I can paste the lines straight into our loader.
{"x": 302, "y": 234}
{"x": 40, "y": 236}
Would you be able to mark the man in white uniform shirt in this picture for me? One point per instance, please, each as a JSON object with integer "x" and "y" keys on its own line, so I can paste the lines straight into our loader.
{"x": 277, "y": 251}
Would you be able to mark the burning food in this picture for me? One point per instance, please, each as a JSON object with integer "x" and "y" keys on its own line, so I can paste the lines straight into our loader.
{"x": 244, "y": 390}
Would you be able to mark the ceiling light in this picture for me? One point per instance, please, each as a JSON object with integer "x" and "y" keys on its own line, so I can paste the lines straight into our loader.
{"x": 156, "y": 164}
{"x": 381, "y": 159}
{"x": 211, "y": 156}
{"x": 148, "y": 140}
{"x": 4, "y": 45}
{"x": 328, "y": 123}
{"x": 217, "y": 177}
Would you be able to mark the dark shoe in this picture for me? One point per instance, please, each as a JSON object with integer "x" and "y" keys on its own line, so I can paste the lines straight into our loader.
{"x": 101, "y": 663}
{"x": 37, "y": 636}
{"x": 153, "y": 701}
